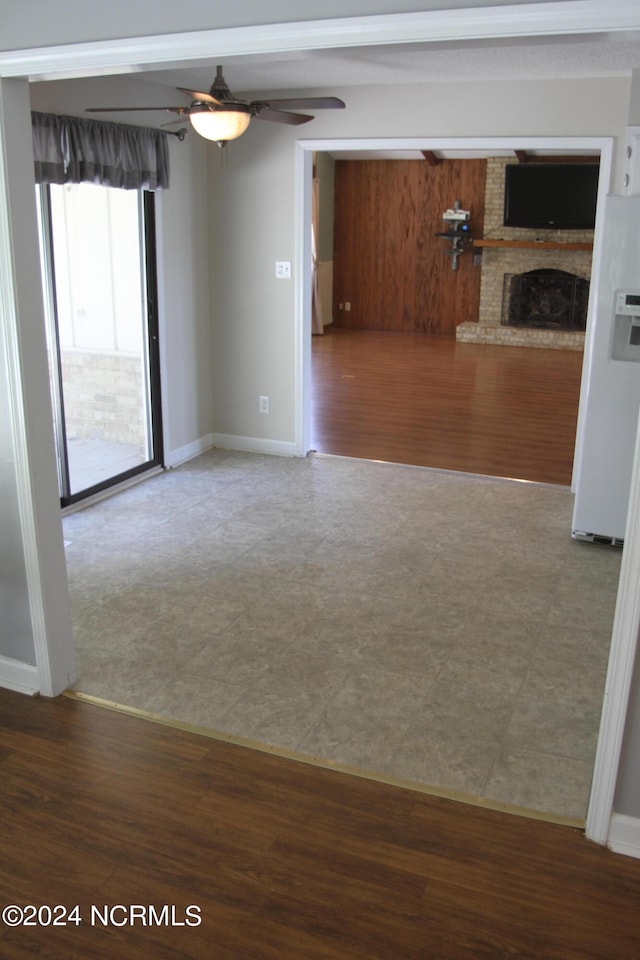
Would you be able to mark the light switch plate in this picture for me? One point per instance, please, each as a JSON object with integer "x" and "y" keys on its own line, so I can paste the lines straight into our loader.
{"x": 283, "y": 269}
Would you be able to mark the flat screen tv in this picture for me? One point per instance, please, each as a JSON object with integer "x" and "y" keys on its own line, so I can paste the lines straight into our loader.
{"x": 557, "y": 196}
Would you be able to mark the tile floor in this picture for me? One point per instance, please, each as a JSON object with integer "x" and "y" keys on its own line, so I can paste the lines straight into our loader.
{"x": 437, "y": 628}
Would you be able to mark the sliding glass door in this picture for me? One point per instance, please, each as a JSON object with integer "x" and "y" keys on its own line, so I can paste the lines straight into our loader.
{"x": 98, "y": 265}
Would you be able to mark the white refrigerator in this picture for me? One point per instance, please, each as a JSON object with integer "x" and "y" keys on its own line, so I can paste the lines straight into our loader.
{"x": 610, "y": 393}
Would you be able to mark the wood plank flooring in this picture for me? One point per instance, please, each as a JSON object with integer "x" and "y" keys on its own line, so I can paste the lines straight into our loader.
{"x": 429, "y": 401}
{"x": 284, "y": 860}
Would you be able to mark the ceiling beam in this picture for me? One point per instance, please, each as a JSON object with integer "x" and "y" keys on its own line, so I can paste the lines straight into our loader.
{"x": 93, "y": 58}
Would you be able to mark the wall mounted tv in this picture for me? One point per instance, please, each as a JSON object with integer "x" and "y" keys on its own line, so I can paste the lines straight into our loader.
{"x": 557, "y": 196}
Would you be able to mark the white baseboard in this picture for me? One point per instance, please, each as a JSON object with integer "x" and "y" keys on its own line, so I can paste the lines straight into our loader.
{"x": 624, "y": 835}
{"x": 18, "y": 676}
{"x": 275, "y": 448}
{"x": 174, "y": 458}
{"x": 227, "y": 441}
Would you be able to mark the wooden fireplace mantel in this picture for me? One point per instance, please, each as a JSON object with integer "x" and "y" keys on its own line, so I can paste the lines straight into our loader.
{"x": 534, "y": 244}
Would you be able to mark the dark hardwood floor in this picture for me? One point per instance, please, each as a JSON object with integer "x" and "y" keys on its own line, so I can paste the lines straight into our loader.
{"x": 429, "y": 401}
{"x": 283, "y": 859}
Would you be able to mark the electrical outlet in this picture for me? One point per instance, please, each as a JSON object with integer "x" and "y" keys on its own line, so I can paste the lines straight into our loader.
{"x": 347, "y": 305}
{"x": 263, "y": 404}
{"x": 283, "y": 269}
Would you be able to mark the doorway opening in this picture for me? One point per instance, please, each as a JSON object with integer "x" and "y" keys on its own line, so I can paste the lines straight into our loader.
{"x": 99, "y": 278}
{"x": 412, "y": 291}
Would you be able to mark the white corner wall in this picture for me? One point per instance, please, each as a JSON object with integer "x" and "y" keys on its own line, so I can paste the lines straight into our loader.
{"x": 36, "y": 645}
{"x": 16, "y": 637}
{"x": 624, "y": 827}
{"x": 186, "y": 333}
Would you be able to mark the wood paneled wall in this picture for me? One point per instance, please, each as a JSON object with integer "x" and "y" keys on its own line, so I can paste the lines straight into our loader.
{"x": 388, "y": 263}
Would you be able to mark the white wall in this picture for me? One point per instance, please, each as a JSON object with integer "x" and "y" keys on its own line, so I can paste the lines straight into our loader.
{"x": 39, "y": 650}
{"x": 251, "y": 209}
{"x": 325, "y": 165}
{"x": 627, "y": 797}
{"x": 16, "y": 637}
{"x": 634, "y": 100}
{"x": 186, "y": 335}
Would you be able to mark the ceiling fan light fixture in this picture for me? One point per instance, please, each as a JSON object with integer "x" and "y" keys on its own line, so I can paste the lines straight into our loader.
{"x": 220, "y": 123}
{"x": 218, "y": 116}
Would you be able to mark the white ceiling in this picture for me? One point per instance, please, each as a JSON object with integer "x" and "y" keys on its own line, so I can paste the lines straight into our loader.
{"x": 335, "y": 70}
{"x": 594, "y": 55}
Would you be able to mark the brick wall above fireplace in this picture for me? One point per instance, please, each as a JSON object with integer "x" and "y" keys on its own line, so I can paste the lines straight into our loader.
{"x": 499, "y": 261}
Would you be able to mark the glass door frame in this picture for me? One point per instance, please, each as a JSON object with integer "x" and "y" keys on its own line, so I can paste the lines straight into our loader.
{"x": 151, "y": 339}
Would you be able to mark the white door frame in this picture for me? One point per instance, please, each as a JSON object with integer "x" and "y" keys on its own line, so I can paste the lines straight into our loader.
{"x": 120, "y": 56}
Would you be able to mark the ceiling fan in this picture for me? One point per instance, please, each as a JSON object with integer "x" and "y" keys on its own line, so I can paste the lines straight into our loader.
{"x": 220, "y": 116}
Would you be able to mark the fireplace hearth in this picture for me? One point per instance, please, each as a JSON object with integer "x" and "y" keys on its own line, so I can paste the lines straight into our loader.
{"x": 545, "y": 300}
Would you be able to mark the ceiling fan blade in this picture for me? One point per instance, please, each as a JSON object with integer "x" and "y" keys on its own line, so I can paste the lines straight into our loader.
{"x": 303, "y": 103}
{"x": 281, "y": 116}
{"x": 179, "y": 110}
{"x": 200, "y": 97}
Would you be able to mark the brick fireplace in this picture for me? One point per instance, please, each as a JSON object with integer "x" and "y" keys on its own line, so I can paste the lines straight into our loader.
{"x": 534, "y": 252}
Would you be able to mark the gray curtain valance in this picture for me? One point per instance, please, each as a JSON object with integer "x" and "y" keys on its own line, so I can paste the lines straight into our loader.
{"x": 74, "y": 150}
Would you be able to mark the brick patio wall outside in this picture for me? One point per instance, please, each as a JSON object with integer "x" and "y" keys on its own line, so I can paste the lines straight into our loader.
{"x": 103, "y": 396}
